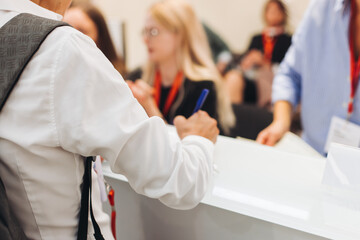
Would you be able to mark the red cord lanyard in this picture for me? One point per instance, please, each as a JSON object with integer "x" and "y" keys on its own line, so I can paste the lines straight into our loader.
{"x": 111, "y": 197}
{"x": 268, "y": 44}
{"x": 172, "y": 94}
{"x": 354, "y": 64}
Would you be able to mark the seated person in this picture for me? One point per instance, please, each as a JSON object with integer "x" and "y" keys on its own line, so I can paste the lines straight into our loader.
{"x": 264, "y": 54}
{"x": 179, "y": 67}
{"x": 89, "y": 20}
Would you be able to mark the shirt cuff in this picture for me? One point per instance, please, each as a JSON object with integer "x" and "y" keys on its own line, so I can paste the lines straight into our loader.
{"x": 205, "y": 144}
{"x": 283, "y": 90}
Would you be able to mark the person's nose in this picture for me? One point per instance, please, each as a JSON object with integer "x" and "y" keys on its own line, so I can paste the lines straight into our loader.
{"x": 146, "y": 38}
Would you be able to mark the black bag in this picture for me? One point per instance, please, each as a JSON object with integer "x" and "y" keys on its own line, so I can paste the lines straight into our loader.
{"x": 20, "y": 38}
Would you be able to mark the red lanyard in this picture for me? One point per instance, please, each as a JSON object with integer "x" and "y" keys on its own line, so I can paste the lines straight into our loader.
{"x": 111, "y": 197}
{"x": 268, "y": 44}
{"x": 172, "y": 94}
{"x": 354, "y": 64}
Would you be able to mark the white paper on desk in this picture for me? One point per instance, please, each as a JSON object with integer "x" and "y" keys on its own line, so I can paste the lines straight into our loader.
{"x": 292, "y": 143}
{"x": 343, "y": 167}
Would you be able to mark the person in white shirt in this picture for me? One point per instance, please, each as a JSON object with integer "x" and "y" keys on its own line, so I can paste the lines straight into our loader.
{"x": 71, "y": 102}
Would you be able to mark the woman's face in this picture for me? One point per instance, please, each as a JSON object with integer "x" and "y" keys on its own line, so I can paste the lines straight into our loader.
{"x": 274, "y": 16}
{"x": 161, "y": 43}
{"x": 77, "y": 18}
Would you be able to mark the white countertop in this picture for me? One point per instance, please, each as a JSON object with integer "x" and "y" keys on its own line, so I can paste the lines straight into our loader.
{"x": 279, "y": 187}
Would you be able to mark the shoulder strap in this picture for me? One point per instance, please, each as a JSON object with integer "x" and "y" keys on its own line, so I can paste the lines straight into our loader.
{"x": 20, "y": 38}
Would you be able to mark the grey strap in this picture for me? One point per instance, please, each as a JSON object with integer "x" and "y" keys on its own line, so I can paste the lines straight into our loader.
{"x": 20, "y": 38}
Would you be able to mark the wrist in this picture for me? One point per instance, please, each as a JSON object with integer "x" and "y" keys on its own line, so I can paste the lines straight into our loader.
{"x": 282, "y": 124}
{"x": 282, "y": 114}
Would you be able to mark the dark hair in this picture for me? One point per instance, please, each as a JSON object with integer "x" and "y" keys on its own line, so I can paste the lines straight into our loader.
{"x": 281, "y": 5}
{"x": 104, "y": 42}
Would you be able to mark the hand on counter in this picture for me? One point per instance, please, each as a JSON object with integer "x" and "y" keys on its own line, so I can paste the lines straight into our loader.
{"x": 272, "y": 134}
{"x": 280, "y": 125}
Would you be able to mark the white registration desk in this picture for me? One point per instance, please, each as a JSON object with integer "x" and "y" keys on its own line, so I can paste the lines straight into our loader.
{"x": 258, "y": 193}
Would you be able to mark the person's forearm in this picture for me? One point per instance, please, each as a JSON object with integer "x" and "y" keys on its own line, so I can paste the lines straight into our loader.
{"x": 282, "y": 113}
{"x": 159, "y": 165}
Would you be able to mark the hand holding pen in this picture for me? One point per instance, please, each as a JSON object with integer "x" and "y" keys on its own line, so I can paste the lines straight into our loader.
{"x": 200, "y": 123}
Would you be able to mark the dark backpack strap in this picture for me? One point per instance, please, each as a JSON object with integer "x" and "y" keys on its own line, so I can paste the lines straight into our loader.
{"x": 84, "y": 209}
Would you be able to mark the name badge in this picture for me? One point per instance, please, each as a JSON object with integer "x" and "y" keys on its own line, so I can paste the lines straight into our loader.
{"x": 343, "y": 132}
{"x": 342, "y": 168}
{"x": 100, "y": 178}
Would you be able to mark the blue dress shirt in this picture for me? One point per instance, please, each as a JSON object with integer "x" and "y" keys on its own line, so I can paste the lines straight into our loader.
{"x": 316, "y": 70}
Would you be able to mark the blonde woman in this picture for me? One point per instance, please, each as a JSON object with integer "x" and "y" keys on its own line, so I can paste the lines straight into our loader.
{"x": 179, "y": 67}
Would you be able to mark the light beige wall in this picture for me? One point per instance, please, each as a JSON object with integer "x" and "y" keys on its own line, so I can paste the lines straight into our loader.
{"x": 234, "y": 20}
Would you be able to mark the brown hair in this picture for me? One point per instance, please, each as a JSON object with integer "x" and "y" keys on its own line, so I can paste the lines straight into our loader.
{"x": 104, "y": 42}
{"x": 282, "y": 6}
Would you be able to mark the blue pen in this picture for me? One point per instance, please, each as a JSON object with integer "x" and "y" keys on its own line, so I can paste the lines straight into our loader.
{"x": 201, "y": 100}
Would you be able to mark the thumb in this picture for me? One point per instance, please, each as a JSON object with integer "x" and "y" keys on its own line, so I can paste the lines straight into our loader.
{"x": 179, "y": 120}
{"x": 272, "y": 140}
{"x": 130, "y": 83}
{"x": 261, "y": 138}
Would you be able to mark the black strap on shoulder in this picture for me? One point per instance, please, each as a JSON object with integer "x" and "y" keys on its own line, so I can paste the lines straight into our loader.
{"x": 20, "y": 38}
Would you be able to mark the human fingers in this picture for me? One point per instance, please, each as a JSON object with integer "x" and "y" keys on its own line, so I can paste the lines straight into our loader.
{"x": 262, "y": 137}
{"x": 179, "y": 121}
{"x": 272, "y": 140}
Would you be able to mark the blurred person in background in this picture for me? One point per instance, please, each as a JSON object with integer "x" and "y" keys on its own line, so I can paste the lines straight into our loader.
{"x": 89, "y": 20}
{"x": 220, "y": 51}
{"x": 252, "y": 84}
{"x": 320, "y": 71}
{"x": 179, "y": 67}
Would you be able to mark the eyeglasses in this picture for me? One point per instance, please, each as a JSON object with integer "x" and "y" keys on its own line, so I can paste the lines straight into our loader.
{"x": 150, "y": 32}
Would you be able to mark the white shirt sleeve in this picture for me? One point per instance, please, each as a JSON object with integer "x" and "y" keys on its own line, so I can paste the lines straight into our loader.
{"x": 95, "y": 113}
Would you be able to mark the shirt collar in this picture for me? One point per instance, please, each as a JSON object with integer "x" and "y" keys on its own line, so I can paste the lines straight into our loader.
{"x": 27, "y": 6}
